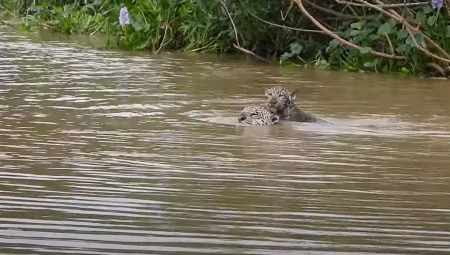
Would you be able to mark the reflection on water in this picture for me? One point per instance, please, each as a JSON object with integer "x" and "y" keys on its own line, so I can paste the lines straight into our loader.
{"x": 130, "y": 153}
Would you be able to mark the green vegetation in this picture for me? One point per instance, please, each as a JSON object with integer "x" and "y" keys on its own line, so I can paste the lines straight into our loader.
{"x": 411, "y": 37}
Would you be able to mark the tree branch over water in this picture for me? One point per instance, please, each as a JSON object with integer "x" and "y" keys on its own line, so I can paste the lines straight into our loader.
{"x": 341, "y": 40}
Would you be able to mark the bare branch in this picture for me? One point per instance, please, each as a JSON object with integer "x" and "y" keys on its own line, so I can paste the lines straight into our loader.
{"x": 341, "y": 40}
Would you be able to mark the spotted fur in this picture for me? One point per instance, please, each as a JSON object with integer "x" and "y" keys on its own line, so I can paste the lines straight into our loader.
{"x": 281, "y": 102}
{"x": 257, "y": 115}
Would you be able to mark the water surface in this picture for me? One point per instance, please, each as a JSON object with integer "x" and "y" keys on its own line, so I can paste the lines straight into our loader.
{"x": 105, "y": 152}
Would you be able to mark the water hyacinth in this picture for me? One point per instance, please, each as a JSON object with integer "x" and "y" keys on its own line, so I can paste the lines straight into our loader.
{"x": 124, "y": 18}
{"x": 435, "y": 4}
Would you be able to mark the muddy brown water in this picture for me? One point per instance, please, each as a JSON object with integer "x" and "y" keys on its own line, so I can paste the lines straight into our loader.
{"x": 109, "y": 152}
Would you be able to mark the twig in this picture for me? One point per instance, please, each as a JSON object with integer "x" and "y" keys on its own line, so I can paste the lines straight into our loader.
{"x": 383, "y": 5}
{"x": 251, "y": 53}
{"x": 283, "y": 26}
{"x": 231, "y": 20}
{"x": 343, "y": 41}
{"x": 329, "y": 11}
{"x": 436, "y": 67}
{"x": 98, "y": 28}
{"x": 237, "y": 45}
{"x": 391, "y": 48}
{"x": 287, "y": 12}
{"x": 166, "y": 27}
{"x": 394, "y": 15}
{"x": 447, "y": 7}
{"x": 424, "y": 51}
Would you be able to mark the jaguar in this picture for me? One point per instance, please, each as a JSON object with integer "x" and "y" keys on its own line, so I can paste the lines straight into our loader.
{"x": 280, "y": 101}
{"x": 257, "y": 115}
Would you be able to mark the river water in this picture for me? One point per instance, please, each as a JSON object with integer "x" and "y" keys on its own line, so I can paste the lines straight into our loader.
{"x": 109, "y": 152}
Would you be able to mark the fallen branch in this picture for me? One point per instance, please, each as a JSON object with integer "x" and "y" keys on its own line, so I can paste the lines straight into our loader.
{"x": 287, "y": 12}
{"x": 166, "y": 26}
{"x": 423, "y": 50}
{"x": 437, "y": 68}
{"x": 251, "y": 53}
{"x": 415, "y": 29}
{"x": 391, "y": 48}
{"x": 329, "y": 11}
{"x": 237, "y": 45}
{"x": 383, "y": 5}
{"x": 341, "y": 40}
{"x": 231, "y": 20}
{"x": 409, "y": 28}
{"x": 286, "y": 27}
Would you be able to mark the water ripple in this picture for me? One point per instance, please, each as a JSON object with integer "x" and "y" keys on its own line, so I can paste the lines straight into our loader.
{"x": 107, "y": 152}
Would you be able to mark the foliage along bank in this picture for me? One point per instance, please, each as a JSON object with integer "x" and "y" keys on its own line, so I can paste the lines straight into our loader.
{"x": 411, "y": 37}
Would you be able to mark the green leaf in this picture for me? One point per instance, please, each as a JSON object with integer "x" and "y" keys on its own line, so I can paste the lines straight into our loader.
{"x": 392, "y": 23}
{"x": 431, "y": 20}
{"x": 402, "y": 34}
{"x": 447, "y": 32}
{"x": 421, "y": 16}
{"x": 365, "y": 50}
{"x": 89, "y": 6}
{"x": 366, "y": 32}
{"x": 137, "y": 26}
{"x": 354, "y": 32}
{"x": 286, "y": 55}
{"x": 418, "y": 37}
{"x": 296, "y": 48}
{"x": 288, "y": 64}
{"x": 355, "y": 40}
{"x": 358, "y": 25}
{"x": 401, "y": 48}
{"x": 385, "y": 29}
{"x": 404, "y": 70}
{"x": 142, "y": 46}
{"x": 427, "y": 9}
{"x": 368, "y": 64}
{"x": 322, "y": 64}
{"x": 374, "y": 37}
{"x": 35, "y": 8}
{"x": 334, "y": 43}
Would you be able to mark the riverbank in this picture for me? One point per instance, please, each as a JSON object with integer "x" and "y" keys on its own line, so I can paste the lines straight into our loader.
{"x": 410, "y": 38}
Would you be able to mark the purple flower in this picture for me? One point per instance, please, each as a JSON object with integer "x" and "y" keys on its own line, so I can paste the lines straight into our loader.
{"x": 436, "y": 4}
{"x": 124, "y": 19}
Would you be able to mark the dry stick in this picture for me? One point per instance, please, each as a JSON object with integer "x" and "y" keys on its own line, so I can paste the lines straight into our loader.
{"x": 166, "y": 27}
{"x": 287, "y": 12}
{"x": 391, "y": 48}
{"x": 329, "y": 11}
{"x": 394, "y": 15}
{"x": 408, "y": 28}
{"x": 283, "y": 26}
{"x": 383, "y": 5}
{"x": 232, "y": 22}
{"x": 251, "y": 53}
{"x": 343, "y": 41}
{"x": 436, "y": 67}
{"x": 447, "y": 7}
{"x": 400, "y": 18}
{"x": 424, "y": 51}
{"x": 427, "y": 39}
{"x": 237, "y": 45}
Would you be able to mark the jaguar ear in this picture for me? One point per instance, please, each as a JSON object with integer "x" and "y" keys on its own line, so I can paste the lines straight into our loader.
{"x": 275, "y": 119}
{"x": 294, "y": 94}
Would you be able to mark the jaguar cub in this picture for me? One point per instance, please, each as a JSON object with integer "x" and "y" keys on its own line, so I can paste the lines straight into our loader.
{"x": 280, "y": 101}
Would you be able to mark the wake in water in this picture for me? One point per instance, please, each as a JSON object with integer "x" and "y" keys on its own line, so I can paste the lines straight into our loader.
{"x": 383, "y": 126}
